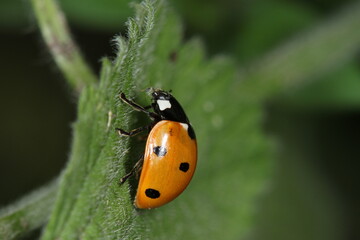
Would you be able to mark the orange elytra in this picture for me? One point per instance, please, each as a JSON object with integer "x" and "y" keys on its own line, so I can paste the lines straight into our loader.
{"x": 170, "y": 156}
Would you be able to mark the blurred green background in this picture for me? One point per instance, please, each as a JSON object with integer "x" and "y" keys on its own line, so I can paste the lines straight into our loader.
{"x": 314, "y": 193}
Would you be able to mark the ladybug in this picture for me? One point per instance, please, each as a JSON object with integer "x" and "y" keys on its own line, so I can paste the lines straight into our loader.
{"x": 170, "y": 156}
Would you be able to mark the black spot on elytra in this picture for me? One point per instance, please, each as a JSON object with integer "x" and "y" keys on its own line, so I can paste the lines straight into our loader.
{"x": 184, "y": 166}
{"x": 152, "y": 193}
{"x": 160, "y": 151}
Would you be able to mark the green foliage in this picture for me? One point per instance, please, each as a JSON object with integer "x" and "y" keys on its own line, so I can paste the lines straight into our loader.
{"x": 273, "y": 21}
{"x": 225, "y": 105}
{"x": 58, "y": 39}
{"x": 328, "y": 92}
{"x": 92, "y": 205}
{"x": 11, "y": 14}
{"x": 28, "y": 213}
{"x": 103, "y": 15}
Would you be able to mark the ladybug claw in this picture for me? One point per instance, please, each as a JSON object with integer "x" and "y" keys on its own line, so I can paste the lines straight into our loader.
{"x": 124, "y": 178}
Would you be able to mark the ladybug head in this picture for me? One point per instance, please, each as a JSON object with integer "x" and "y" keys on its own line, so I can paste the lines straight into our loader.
{"x": 160, "y": 94}
{"x": 167, "y": 107}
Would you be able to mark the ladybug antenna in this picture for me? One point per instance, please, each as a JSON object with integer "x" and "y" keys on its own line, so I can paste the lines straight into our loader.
{"x": 144, "y": 90}
{"x": 150, "y": 90}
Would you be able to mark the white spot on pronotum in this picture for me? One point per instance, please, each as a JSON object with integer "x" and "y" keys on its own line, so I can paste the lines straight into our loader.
{"x": 185, "y": 126}
{"x": 163, "y": 104}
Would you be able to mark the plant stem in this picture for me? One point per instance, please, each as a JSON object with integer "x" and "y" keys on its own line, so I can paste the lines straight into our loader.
{"x": 55, "y": 31}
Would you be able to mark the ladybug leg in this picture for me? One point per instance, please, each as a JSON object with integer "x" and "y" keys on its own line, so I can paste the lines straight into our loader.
{"x": 136, "y": 169}
{"x": 137, "y": 107}
{"x": 132, "y": 132}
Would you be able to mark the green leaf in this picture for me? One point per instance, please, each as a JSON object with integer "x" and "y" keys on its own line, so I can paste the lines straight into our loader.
{"x": 28, "y": 213}
{"x": 269, "y": 22}
{"x": 225, "y": 106}
{"x": 338, "y": 91}
{"x": 312, "y": 54}
{"x": 92, "y": 205}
